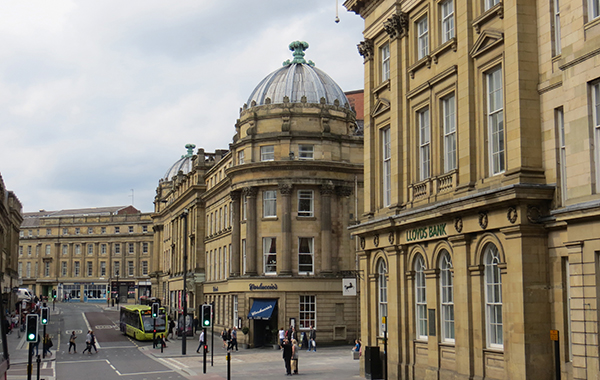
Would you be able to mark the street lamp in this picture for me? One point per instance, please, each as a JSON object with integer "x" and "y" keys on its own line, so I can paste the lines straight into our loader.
{"x": 117, "y": 293}
{"x": 183, "y": 335}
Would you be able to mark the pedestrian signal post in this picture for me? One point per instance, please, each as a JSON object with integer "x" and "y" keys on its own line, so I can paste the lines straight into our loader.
{"x": 206, "y": 315}
{"x": 155, "y": 307}
{"x": 31, "y": 336}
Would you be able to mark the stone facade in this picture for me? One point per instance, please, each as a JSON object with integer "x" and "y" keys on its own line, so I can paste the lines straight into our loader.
{"x": 87, "y": 255}
{"x": 480, "y": 187}
{"x": 11, "y": 216}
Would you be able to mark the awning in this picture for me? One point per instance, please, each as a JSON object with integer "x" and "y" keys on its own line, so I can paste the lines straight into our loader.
{"x": 262, "y": 309}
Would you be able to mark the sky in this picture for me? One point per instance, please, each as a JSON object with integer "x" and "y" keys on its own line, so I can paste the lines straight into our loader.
{"x": 99, "y": 98}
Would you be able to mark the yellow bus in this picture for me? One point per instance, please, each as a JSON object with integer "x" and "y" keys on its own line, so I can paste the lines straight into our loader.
{"x": 137, "y": 322}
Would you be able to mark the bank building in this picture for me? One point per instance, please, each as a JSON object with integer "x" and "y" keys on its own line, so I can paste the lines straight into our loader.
{"x": 265, "y": 222}
{"x": 480, "y": 239}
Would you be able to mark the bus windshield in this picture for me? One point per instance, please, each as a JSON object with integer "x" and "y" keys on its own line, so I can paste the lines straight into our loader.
{"x": 149, "y": 323}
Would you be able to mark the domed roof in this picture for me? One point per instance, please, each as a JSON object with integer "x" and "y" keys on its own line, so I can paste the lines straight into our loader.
{"x": 184, "y": 164}
{"x": 297, "y": 79}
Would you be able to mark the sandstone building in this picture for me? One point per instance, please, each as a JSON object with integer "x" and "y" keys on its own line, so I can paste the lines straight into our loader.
{"x": 11, "y": 216}
{"x": 479, "y": 236}
{"x": 87, "y": 254}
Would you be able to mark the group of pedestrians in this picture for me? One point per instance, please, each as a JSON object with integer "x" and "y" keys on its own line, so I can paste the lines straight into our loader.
{"x": 230, "y": 338}
{"x": 90, "y": 342}
{"x": 288, "y": 342}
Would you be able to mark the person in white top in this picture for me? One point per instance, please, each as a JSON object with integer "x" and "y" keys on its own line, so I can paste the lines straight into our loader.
{"x": 281, "y": 336}
{"x": 200, "y": 342}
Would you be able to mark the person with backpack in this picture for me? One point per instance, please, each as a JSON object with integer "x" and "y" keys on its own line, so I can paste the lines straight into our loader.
{"x": 72, "y": 342}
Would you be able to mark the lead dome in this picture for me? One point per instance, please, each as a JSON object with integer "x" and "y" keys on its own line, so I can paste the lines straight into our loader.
{"x": 295, "y": 80}
{"x": 184, "y": 164}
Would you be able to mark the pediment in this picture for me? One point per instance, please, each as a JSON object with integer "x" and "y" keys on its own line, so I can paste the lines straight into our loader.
{"x": 382, "y": 105}
{"x": 487, "y": 40}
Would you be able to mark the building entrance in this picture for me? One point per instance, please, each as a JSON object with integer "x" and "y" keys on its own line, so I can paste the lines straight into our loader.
{"x": 264, "y": 312}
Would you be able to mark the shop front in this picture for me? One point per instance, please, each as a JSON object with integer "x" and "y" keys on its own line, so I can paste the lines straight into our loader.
{"x": 263, "y": 315}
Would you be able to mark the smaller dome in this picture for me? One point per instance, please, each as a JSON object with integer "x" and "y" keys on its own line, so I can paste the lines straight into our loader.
{"x": 298, "y": 79}
{"x": 184, "y": 164}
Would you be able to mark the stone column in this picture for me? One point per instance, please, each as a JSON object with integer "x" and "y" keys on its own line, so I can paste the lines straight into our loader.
{"x": 251, "y": 218}
{"x": 326, "y": 191}
{"x": 235, "y": 234}
{"x": 286, "y": 230}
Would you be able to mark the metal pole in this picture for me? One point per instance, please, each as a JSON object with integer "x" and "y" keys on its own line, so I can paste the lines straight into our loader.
{"x": 154, "y": 335}
{"x": 204, "y": 349}
{"x": 212, "y": 334}
{"x": 43, "y": 337}
{"x": 385, "y": 353}
{"x": 29, "y": 364}
{"x": 183, "y": 336}
{"x": 228, "y": 365}
{"x": 38, "y": 367}
{"x": 557, "y": 357}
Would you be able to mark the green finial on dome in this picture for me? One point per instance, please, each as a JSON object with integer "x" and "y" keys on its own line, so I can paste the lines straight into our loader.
{"x": 190, "y": 150}
{"x": 298, "y": 47}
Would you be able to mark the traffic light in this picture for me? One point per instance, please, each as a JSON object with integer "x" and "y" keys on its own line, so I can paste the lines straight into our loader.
{"x": 54, "y": 293}
{"x": 155, "y": 306}
{"x": 206, "y": 315}
{"x": 45, "y": 314}
{"x": 32, "y": 328}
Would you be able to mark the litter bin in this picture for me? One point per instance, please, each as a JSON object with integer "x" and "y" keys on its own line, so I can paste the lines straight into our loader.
{"x": 373, "y": 363}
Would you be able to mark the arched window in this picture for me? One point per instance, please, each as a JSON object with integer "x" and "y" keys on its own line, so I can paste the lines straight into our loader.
{"x": 446, "y": 297}
{"x": 493, "y": 296}
{"x": 382, "y": 287}
{"x": 420, "y": 298}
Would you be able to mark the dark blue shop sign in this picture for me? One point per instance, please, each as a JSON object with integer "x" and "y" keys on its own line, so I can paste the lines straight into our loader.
{"x": 262, "y": 287}
{"x": 426, "y": 232}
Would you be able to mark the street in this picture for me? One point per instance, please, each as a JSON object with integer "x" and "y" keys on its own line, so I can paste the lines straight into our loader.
{"x": 120, "y": 357}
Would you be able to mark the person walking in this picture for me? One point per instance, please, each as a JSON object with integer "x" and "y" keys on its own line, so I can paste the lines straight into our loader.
{"x": 200, "y": 341}
{"x": 295, "y": 350}
{"x": 312, "y": 336}
{"x": 225, "y": 337}
{"x": 287, "y": 356}
{"x": 233, "y": 338}
{"x": 88, "y": 343}
{"x": 72, "y": 342}
{"x": 171, "y": 327}
{"x": 281, "y": 336}
{"x": 47, "y": 344}
{"x": 93, "y": 342}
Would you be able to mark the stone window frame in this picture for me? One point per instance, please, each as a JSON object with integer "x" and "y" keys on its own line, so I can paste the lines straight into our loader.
{"x": 595, "y": 119}
{"x": 445, "y": 20}
{"x": 76, "y": 269}
{"x": 423, "y": 118}
{"x": 306, "y": 209}
{"x": 382, "y": 293}
{"x": 269, "y": 266}
{"x": 384, "y": 62}
{"x": 423, "y": 42}
{"x": 446, "y": 296}
{"x": 90, "y": 268}
{"x": 310, "y": 254}
{"x": 102, "y": 268}
{"x": 490, "y": 115}
{"x": 386, "y": 165}
{"x": 307, "y": 305}
{"x": 420, "y": 298}
{"x": 448, "y": 134}
{"x": 267, "y": 153}
{"x": 64, "y": 268}
{"x": 47, "y": 269}
{"x": 269, "y": 203}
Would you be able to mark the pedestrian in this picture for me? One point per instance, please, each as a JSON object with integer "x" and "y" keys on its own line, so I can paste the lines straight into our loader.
{"x": 196, "y": 324}
{"x": 47, "y": 344}
{"x": 200, "y": 342}
{"x": 171, "y": 327}
{"x": 295, "y": 350}
{"x": 304, "y": 343}
{"x": 312, "y": 336}
{"x": 287, "y": 356}
{"x": 88, "y": 343}
{"x": 72, "y": 342}
{"x": 233, "y": 338}
{"x": 281, "y": 336}
{"x": 93, "y": 342}
{"x": 225, "y": 337}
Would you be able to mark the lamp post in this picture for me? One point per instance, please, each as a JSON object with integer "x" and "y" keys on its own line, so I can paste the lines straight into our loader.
{"x": 117, "y": 293}
{"x": 183, "y": 335}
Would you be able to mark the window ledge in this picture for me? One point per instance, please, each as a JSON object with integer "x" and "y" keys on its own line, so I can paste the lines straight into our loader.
{"x": 496, "y": 10}
{"x": 269, "y": 218}
{"x": 383, "y": 86}
{"x": 425, "y": 61}
{"x": 450, "y": 44}
{"x": 592, "y": 23}
{"x": 306, "y": 217}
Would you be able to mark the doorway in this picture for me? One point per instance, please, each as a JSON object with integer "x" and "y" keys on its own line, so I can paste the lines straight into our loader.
{"x": 265, "y": 330}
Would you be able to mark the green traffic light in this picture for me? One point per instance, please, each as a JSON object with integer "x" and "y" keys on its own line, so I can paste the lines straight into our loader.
{"x": 31, "y": 337}
{"x": 44, "y": 321}
{"x": 206, "y": 323}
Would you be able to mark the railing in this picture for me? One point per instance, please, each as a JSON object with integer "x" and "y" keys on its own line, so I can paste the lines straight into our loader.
{"x": 444, "y": 183}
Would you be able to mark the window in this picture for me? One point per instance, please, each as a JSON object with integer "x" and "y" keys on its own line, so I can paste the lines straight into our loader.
{"x": 131, "y": 248}
{"x": 447, "y": 297}
{"x": 267, "y": 153}
{"x": 447, "y": 20}
{"x": 234, "y": 300}
{"x": 48, "y": 249}
{"x": 144, "y": 229}
{"x": 37, "y": 251}
{"x": 20, "y": 269}
{"x": 77, "y": 231}
{"x": 47, "y": 269}
{"x": 449, "y": 120}
{"x": 420, "y": 299}
{"x": 244, "y": 256}
{"x": 240, "y": 157}
{"x": 490, "y": 3}
{"x": 130, "y": 268}
{"x": 103, "y": 230}
{"x": 305, "y": 203}
{"x": 77, "y": 268}
{"x": 77, "y": 249}
{"x": 269, "y": 204}
{"x": 65, "y": 249}
{"x": 226, "y": 216}
{"x": 102, "y": 268}
{"x": 65, "y": 231}
{"x": 221, "y": 219}
{"x": 116, "y": 268}
{"x": 117, "y": 230}
{"x": 562, "y": 152}
{"x": 28, "y": 270}
{"x": 28, "y": 250}
{"x": 36, "y": 270}
{"x": 495, "y": 121}
{"x": 556, "y": 25}
{"x": 144, "y": 268}
{"x": 103, "y": 249}
{"x": 424, "y": 144}
{"x": 244, "y": 207}
{"x": 493, "y": 297}
{"x": 48, "y": 232}
{"x": 144, "y": 247}
{"x": 270, "y": 255}
{"x": 30, "y": 233}
{"x": 385, "y": 62}
{"x": 386, "y": 158}
{"x": 423, "y": 38}
{"x": 596, "y": 121}
{"x": 117, "y": 248}
{"x": 382, "y": 293}
{"x": 308, "y": 312}
{"x": 90, "y": 267}
{"x": 90, "y": 249}
{"x": 306, "y": 152}
{"x": 90, "y": 230}
{"x": 63, "y": 268}
{"x": 305, "y": 255}
{"x": 20, "y": 250}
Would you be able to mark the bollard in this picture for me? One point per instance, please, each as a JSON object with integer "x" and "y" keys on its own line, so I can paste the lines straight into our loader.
{"x": 38, "y": 367}
{"x": 228, "y": 365}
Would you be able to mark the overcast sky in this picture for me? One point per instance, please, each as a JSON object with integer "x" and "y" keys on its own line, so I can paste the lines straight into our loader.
{"x": 100, "y": 97}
